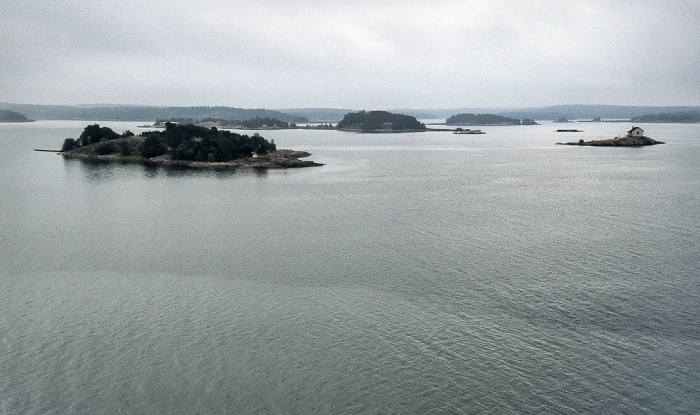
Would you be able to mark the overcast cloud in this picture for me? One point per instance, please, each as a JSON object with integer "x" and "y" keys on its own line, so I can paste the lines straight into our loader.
{"x": 376, "y": 54}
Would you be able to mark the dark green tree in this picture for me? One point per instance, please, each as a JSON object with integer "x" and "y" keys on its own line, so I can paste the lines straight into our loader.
{"x": 152, "y": 147}
{"x": 187, "y": 150}
{"x": 69, "y": 144}
{"x": 94, "y": 134}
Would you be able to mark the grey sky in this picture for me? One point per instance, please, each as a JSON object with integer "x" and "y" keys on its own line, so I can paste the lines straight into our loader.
{"x": 375, "y": 54}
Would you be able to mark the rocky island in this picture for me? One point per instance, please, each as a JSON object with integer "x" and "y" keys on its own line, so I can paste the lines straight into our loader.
{"x": 634, "y": 138}
{"x": 183, "y": 145}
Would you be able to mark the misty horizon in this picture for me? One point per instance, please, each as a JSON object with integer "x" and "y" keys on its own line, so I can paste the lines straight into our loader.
{"x": 380, "y": 54}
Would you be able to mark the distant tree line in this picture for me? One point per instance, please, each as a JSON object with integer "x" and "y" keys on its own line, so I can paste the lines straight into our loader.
{"x": 379, "y": 120}
{"x": 140, "y": 113}
{"x": 181, "y": 141}
{"x": 486, "y": 119}
{"x": 326, "y": 126}
{"x": 256, "y": 122}
{"x": 681, "y": 117}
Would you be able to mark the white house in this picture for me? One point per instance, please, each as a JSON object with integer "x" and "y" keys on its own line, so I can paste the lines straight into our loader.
{"x": 635, "y": 132}
{"x": 260, "y": 152}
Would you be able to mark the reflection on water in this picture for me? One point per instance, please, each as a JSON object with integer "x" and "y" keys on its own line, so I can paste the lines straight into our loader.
{"x": 100, "y": 170}
{"x": 93, "y": 170}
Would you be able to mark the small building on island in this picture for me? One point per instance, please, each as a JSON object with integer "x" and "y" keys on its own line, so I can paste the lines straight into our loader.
{"x": 260, "y": 152}
{"x": 635, "y": 132}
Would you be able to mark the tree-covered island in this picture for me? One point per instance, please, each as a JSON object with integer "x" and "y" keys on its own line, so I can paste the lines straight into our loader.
{"x": 187, "y": 145}
{"x": 486, "y": 119}
{"x": 379, "y": 122}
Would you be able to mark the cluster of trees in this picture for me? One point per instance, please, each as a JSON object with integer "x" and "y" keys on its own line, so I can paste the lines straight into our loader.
{"x": 181, "y": 141}
{"x": 326, "y": 126}
{"x": 258, "y": 122}
{"x": 195, "y": 143}
{"x": 94, "y": 134}
{"x": 379, "y": 120}
{"x": 485, "y": 119}
{"x": 681, "y": 116}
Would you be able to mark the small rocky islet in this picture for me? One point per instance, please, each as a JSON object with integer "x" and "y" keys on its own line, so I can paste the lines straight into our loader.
{"x": 634, "y": 138}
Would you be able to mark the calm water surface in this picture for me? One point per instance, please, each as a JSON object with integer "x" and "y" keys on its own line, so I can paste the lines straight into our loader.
{"x": 414, "y": 273}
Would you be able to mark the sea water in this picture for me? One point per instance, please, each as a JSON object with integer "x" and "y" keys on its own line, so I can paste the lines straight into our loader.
{"x": 413, "y": 273}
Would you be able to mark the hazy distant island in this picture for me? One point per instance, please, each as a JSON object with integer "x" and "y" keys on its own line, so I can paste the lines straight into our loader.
{"x": 257, "y": 123}
{"x": 670, "y": 117}
{"x": 634, "y": 138}
{"x": 107, "y": 112}
{"x": 185, "y": 145}
{"x": 379, "y": 122}
{"x": 486, "y": 119}
{"x": 12, "y": 116}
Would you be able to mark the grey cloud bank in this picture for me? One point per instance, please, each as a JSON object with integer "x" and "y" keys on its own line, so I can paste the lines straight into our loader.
{"x": 379, "y": 54}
